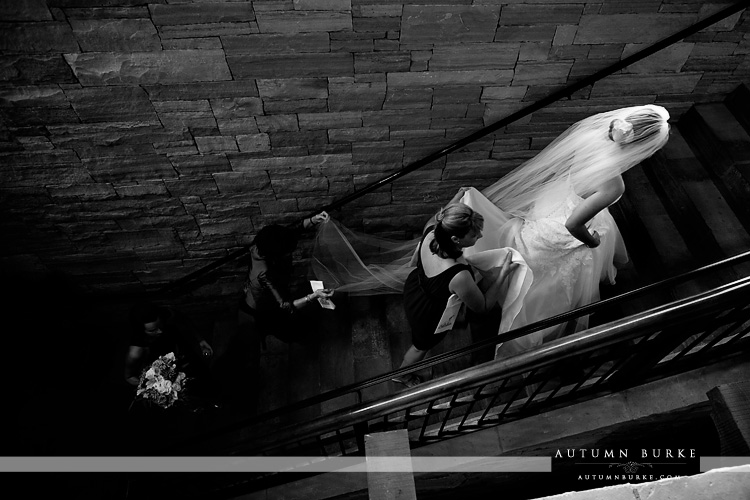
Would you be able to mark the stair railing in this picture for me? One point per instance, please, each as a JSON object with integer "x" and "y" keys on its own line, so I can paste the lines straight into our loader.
{"x": 358, "y": 388}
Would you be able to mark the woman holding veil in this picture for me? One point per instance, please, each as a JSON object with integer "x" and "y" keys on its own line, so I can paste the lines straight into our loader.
{"x": 552, "y": 209}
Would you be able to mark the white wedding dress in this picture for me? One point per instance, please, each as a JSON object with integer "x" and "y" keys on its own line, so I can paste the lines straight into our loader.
{"x": 525, "y": 210}
{"x": 566, "y": 273}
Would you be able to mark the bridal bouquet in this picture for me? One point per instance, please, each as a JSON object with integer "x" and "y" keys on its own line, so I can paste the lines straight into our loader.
{"x": 161, "y": 383}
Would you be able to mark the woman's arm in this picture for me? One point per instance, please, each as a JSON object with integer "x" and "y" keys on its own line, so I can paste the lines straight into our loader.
{"x": 603, "y": 197}
{"x": 132, "y": 363}
{"x": 467, "y": 290}
{"x": 315, "y": 220}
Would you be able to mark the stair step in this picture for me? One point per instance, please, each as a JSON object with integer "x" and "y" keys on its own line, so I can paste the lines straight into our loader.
{"x": 738, "y": 103}
{"x": 727, "y": 229}
{"x": 672, "y": 252}
{"x": 704, "y": 135}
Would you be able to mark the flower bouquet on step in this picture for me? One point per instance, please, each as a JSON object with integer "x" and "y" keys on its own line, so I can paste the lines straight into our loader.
{"x": 161, "y": 383}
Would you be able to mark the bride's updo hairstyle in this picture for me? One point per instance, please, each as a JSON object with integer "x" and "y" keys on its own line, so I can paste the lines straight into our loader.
{"x": 584, "y": 157}
{"x": 454, "y": 220}
{"x": 640, "y": 126}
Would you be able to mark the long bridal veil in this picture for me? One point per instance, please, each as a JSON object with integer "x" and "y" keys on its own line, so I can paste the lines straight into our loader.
{"x": 583, "y": 157}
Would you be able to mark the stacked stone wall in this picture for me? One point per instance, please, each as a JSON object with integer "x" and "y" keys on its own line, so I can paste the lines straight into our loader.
{"x": 142, "y": 140}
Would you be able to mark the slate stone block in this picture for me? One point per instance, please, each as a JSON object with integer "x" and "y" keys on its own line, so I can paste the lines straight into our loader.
{"x": 236, "y": 107}
{"x": 238, "y": 126}
{"x": 397, "y": 119}
{"x": 200, "y": 164}
{"x": 34, "y": 177}
{"x": 376, "y": 24}
{"x": 457, "y": 93}
{"x": 323, "y": 121}
{"x": 28, "y": 10}
{"x": 144, "y": 189}
{"x": 241, "y": 182}
{"x": 355, "y": 45}
{"x": 288, "y": 187}
{"x": 165, "y": 67}
{"x": 216, "y": 144}
{"x": 24, "y": 117}
{"x": 205, "y": 43}
{"x": 275, "y": 44}
{"x": 564, "y": 34}
{"x": 37, "y": 37}
{"x": 668, "y": 60}
{"x": 276, "y": 123}
{"x": 113, "y": 104}
{"x": 291, "y": 66}
{"x": 360, "y": 134}
{"x": 634, "y": 85}
{"x": 382, "y": 62}
{"x": 303, "y": 21}
{"x": 432, "y": 24}
{"x": 293, "y": 88}
{"x": 201, "y": 90}
{"x": 377, "y": 10}
{"x": 192, "y": 120}
{"x": 35, "y": 69}
{"x": 254, "y": 142}
{"x": 191, "y": 186}
{"x": 348, "y": 95}
{"x": 296, "y": 106}
{"x": 272, "y": 164}
{"x": 512, "y": 92}
{"x": 56, "y": 157}
{"x": 301, "y": 138}
{"x": 129, "y": 168}
{"x": 210, "y": 12}
{"x": 526, "y": 14}
{"x": 207, "y": 30}
{"x": 116, "y": 35}
{"x": 409, "y": 98}
{"x": 629, "y": 28}
{"x": 90, "y": 192}
{"x": 334, "y": 5}
{"x": 47, "y": 96}
{"x": 389, "y": 153}
{"x": 534, "y": 51}
{"x": 533, "y": 33}
{"x": 440, "y": 78}
{"x": 475, "y": 56}
{"x": 543, "y": 73}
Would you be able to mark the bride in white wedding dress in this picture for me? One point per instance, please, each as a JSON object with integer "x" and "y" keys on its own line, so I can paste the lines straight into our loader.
{"x": 552, "y": 209}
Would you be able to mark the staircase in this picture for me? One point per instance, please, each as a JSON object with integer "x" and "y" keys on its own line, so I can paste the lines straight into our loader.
{"x": 685, "y": 207}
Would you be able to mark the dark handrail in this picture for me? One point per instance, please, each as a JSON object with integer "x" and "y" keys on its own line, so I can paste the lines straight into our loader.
{"x": 593, "y": 338}
{"x": 513, "y": 334}
{"x": 545, "y": 101}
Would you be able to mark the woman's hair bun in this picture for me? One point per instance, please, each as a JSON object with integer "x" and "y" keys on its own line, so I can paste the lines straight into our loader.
{"x": 621, "y": 131}
{"x": 440, "y": 215}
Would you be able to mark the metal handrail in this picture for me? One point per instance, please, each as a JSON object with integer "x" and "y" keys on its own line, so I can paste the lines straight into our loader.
{"x": 358, "y": 387}
{"x": 672, "y": 314}
{"x": 545, "y": 101}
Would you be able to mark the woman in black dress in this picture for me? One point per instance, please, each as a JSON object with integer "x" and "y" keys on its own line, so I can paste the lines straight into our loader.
{"x": 442, "y": 271}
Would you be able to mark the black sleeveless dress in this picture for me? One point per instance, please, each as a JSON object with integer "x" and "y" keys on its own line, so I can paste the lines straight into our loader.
{"x": 425, "y": 300}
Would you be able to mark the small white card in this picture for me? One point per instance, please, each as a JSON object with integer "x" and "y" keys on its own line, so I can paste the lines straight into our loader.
{"x": 318, "y": 285}
{"x": 448, "y": 319}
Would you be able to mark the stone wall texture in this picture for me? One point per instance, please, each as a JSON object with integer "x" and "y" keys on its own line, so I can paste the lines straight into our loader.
{"x": 142, "y": 140}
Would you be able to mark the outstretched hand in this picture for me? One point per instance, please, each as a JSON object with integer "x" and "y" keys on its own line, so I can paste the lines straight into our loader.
{"x": 459, "y": 195}
{"x": 320, "y": 218}
{"x": 316, "y": 220}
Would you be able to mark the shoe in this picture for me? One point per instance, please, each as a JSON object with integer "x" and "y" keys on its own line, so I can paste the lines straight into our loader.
{"x": 408, "y": 381}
